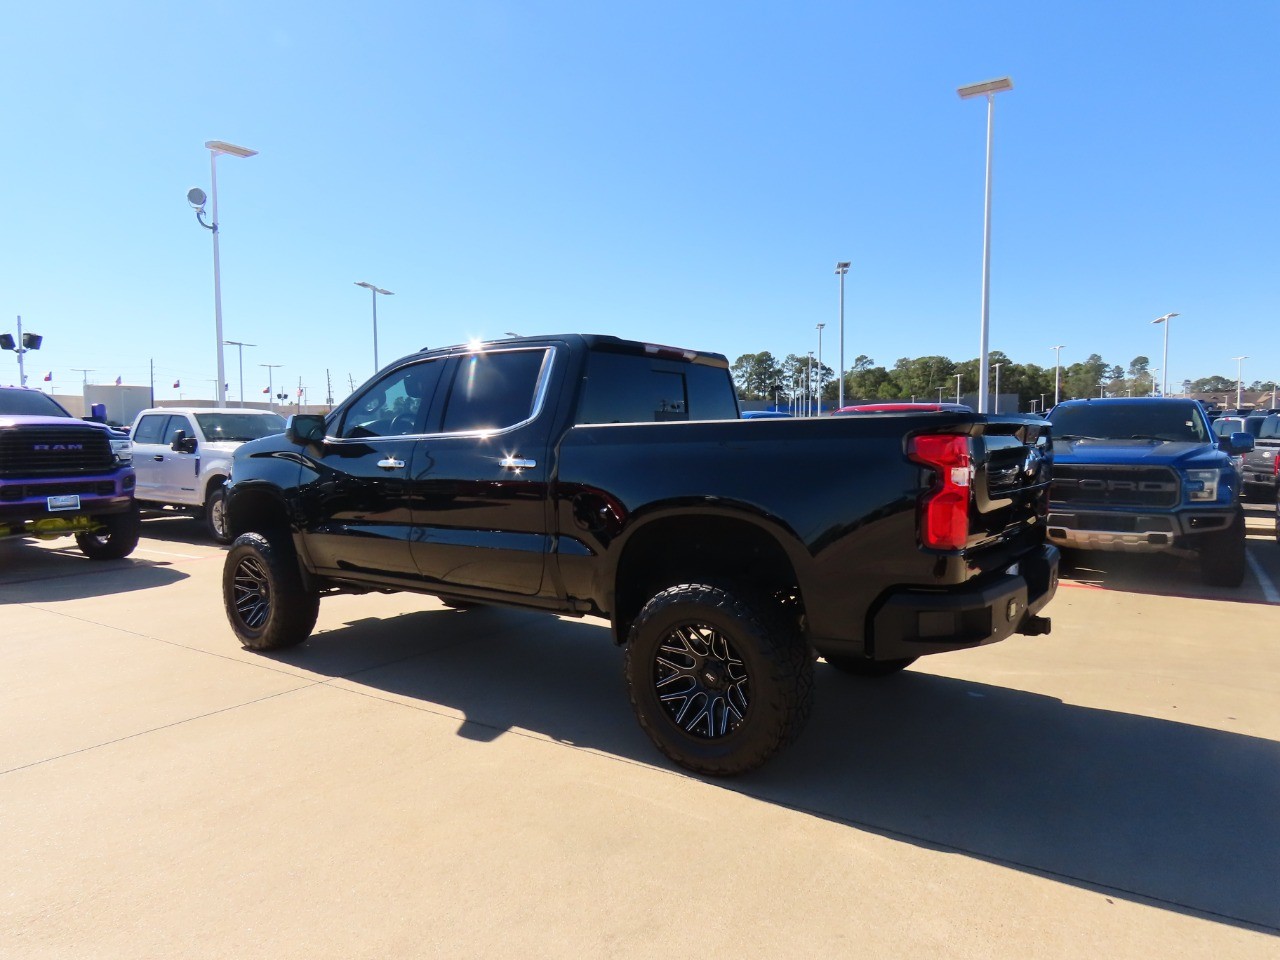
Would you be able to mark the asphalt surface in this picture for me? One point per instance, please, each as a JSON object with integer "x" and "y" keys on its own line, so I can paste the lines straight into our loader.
{"x": 422, "y": 782}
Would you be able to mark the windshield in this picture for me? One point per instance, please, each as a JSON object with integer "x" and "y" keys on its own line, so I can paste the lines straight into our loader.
{"x": 1175, "y": 422}
{"x": 29, "y": 403}
{"x": 230, "y": 425}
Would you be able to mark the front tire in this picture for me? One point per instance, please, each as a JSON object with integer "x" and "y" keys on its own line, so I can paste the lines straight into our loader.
{"x": 115, "y": 540}
{"x": 1222, "y": 557}
{"x": 215, "y": 514}
{"x": 262, "y": 592}
{"x": 718, "y": 683}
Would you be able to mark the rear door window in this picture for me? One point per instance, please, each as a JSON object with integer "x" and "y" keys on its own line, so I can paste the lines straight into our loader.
{"x": 495, "y": 390}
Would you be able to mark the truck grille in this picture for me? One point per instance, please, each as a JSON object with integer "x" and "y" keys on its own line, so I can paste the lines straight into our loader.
{"x": 14, "y": 492}
{"x": 45, "y": 451}
{"x": 1118, "y": 486}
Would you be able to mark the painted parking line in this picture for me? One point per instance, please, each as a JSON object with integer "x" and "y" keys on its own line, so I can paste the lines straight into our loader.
{"x": 1269, "y": 590}
{"x": 165, "y": 553}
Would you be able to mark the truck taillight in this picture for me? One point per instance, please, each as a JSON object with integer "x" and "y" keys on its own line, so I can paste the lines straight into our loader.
{"x": 944, "y": 509}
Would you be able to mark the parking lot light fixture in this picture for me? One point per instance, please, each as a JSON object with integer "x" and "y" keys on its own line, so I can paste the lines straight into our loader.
{"x": 271, "y": 394}
{"x": 1239, "y": 384}
{"x": 240, "y": 345}
{"x": 988, "y": 89}
{"x": 196, "y": 198}
{"x": 374, "y": 291}
{"x": 842, "y": 267}
{"x": 820, "y": 328}
{"x": 1164, "y": 382}
{"x": 1057, "y": 373}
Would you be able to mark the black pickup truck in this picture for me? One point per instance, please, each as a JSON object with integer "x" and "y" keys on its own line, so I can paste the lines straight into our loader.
{"x": 588, "y": 475}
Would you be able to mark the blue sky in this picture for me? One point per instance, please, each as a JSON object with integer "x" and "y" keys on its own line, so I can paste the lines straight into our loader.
{"x": 686, "y": 173}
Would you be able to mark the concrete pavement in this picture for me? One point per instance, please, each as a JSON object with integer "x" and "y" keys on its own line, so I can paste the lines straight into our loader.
{"x": 422, "y": 782}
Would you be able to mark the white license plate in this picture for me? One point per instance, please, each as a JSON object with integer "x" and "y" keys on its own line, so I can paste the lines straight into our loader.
{"x": 70, "y": 501}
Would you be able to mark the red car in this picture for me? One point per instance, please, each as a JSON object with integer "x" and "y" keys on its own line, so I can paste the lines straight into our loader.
{"x": 902, "y": 407}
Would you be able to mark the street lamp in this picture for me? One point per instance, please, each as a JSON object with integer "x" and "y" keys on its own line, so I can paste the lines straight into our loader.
{"x": 820, "y": 327}
{"x": 196, "y": 197}
{"x": 842, "y": 267}
{"x": 1057, "y": 373}
{"x": 1239, "y": 365}
{"x": 240, "y": 345}
{"x": 374, "y": 291}
{"x": 23, "y": 343}
{"x": 271, "y": 395}
{"x": 997, "y": 366}
{"x": 808, "y": 388}
{"x": 1164, "y": 382}
{"x": 958, "y": 388}
{"x": 988, "y": 89}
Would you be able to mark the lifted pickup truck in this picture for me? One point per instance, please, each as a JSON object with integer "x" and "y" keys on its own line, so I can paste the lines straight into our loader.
{"x": 60, "y": 476}
{"x": 587, "y": 475}
{"x": 183, "y": 455}
{"x": 1148, "y": 475}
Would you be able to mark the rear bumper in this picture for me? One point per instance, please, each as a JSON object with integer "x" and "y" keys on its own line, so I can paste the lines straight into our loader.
{"x": 1136, "y": 531}
{"x": 912, "y": 623}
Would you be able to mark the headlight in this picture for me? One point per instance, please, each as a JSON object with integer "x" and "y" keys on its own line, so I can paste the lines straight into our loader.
{"x": 122, "y": 450}
{"x": 1203, "y": 484}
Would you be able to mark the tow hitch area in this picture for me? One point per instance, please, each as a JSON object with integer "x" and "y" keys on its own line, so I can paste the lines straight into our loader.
{"x": 1035, "y": 626}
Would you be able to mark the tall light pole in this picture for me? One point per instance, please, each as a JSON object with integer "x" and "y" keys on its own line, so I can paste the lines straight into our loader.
{"x": 271, "y": 394}
{"x": 374, "y": 291}
{"x": 958, "y": 388}
{"x": 987, "y": 89}
{"x": 808, "y": 388}
{"x": 997, "y": 403}
{"x": 1057, "y": 373}
{"x": 240, "y": 345}
{"x": 1239, "y": 366}
{"x": 196, "y": 197}
{"x": 1164, "y": 381}
{"x": 820, "y": 327}
{"x": 842, "y": 267}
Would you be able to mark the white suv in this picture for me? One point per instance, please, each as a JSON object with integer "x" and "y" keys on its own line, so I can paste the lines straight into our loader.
{"x": 182, "y": 456}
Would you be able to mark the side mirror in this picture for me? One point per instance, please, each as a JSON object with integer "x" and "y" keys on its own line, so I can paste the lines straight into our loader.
{"x": 182, "y": 443}
{"x": 304, "y": 428}
{"x": 1240, "y": 442}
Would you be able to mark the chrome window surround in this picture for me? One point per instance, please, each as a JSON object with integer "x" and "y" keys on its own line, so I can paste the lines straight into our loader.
{"x": 539, "y": 400}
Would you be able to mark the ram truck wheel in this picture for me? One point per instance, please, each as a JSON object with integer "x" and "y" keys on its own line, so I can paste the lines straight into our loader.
{"x": 719, "y": 683}
{"x": 115, "y": 540}
{"x": 262, "y": 591}
{"x": 215, "y": 514}
{"x": 1222, "y": 557}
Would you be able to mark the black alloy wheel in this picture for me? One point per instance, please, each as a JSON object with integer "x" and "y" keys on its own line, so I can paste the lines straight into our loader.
{"x": 719, "y": 682}
{"x": 266, "y": 603}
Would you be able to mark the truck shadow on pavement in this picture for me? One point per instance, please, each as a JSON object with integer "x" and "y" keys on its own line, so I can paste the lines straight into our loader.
{"x": 1177, "y": 816}
{"x": 45, "y": 576}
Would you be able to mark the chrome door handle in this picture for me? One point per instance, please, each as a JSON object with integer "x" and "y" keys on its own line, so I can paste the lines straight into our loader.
{"x": 516, "y": 463}
{"x": 158, "y": 458}
{"x": 391, "y": 463}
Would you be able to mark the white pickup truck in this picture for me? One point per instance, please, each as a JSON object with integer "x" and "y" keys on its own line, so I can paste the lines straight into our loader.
{"x": 182, "y": 456}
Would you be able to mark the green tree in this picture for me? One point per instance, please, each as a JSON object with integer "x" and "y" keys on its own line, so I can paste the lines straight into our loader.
{"x": 1084, "y": 379}
{"x": 755, "y": 375}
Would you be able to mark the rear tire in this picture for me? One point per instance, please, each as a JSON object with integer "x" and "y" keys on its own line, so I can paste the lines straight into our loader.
{"x": 215, "y": 514}
{"x": 117, "y": 538}
{"x": 719, "y": 684}
{"x": 866, "y": 667}
{"x": 1222, "y": 557}
{"x": 262, "y": 592}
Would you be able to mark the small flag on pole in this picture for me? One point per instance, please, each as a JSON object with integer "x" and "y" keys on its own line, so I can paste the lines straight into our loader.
{"x": 48, "y": 376}
{"x": 177, "y": 384}
{"x": 118, "y": 381}
{"x": 266, "y": 389}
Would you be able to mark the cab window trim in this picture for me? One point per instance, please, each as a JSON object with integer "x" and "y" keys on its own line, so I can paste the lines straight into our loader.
{"x": 541, "y": 388}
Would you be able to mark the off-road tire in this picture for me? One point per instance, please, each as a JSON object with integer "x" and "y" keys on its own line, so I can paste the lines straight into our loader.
{"x": 215, "y": 514}
{"x": 1222, "y": 556}
{"x": 267, "y": 606}
{"x": 866, "y": 667}
{"x": 719, "y": 683}
{"x": 117, "y": 538}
